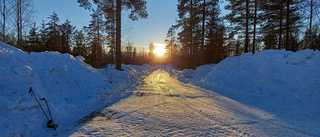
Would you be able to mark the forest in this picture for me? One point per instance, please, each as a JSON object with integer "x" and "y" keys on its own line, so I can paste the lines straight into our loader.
{"x": 201, "y": 35}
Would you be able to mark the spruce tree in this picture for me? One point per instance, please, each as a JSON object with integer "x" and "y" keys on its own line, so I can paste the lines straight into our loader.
{"x": 80, "y": 48}
{"x": 33, "y": 41}
{"x": 53, "y": 33}
{"x": 67, "y": 31}
{"x": 43, "y": 34}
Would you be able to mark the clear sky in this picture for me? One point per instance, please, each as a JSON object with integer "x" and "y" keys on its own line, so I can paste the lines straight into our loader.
{"x": 162, "y": 15}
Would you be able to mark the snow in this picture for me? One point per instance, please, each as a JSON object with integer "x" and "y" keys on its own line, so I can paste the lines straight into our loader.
{"x": 163, "y": 106}
{"x": 271, "y": 93}
{"x": 73, "y": 89}
{"x": 284, "y": 83}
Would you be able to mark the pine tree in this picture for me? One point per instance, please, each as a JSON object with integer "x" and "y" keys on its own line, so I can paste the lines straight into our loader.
{"x": 239, "y": 17}
{"x": 137, "y": 8}
{"x": 134, "y": 54}
{"x": 171, "y": 40}
{"x": 151, "y": 60}
{"x": 254, "y": 26}
{"x": 294, "y": 22}
{"x": 128, "y": 53}
{"x": 312, "y": 7}
{"x": 273, "y": 15}
{"x": 214, "y": 34}
{"x": 118, "y": 34}
{"x": 269, "y": 39}
{"x": 200, "y": 26}
{"x": 310, "y": 23}
{"x": 96, "y": 53}
{"x": 190, "y": 22}
{"x": 19, "y": 23}
{"x": 109, "y": 8}
{"x": 288, "y": 3}
{"x": 95, "y": 31}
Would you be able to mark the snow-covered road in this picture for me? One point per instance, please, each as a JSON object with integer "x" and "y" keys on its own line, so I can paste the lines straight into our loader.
{"x": 164, "y": 106}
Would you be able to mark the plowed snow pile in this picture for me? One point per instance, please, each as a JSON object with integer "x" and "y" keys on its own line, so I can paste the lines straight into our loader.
{"x": 73, "y": 89}
{"x": 284, "y": 83}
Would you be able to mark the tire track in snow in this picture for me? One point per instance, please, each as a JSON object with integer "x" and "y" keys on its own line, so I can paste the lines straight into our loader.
{"x": 164, "y": 106}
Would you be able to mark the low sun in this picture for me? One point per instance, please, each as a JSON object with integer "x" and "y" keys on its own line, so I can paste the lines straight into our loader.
{"x": 159, "y": 49}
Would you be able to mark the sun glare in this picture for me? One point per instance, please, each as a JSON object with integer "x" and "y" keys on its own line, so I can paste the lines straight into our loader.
{"x": 159, "y": 49}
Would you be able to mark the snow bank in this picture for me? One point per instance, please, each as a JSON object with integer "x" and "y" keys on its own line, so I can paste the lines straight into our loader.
{"x": 271, "y": 72}
{"x": 284, "y": 83}
{"x": 73, "y": 89}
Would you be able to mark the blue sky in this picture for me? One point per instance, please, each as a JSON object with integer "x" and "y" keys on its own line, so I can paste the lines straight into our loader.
{"x": 162, "y": 15}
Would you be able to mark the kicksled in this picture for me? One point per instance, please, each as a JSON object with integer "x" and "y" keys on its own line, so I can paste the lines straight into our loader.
{"x": 50, "y": 123}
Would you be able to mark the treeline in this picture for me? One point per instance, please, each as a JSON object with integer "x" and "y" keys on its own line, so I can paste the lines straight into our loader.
{"x": 15, "y": 18}
{"x": 200, "y": 36}
{"x": 65, "y": 38}
{"x": 95, "y": 42}
{"x": 205, "y": 36}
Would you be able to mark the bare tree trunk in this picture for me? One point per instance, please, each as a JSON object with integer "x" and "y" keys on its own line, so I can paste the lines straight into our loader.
{"x": 280, "y": 26}
{"x": 19, "y": 24}
{"x": 191, "y": 26}
{"x": 287, "y": 25}
{"x": 254, "y": 27}
{"x": 203, "y": 31}
{"x": 118, "y": 36}
{"x": 246, "y": 45}
{"x": 4, "y": 21}
{"x": 98, "y": 46}
{"x": 191, "y": 34}
{"x": 171, "y": 43}
{"x": 22, "y": 19}
{"x": 310, "y": 27}
{"x": 113, "y": 41}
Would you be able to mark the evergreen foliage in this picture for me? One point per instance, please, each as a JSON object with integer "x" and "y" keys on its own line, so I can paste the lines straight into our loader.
{"x": 200, "y": 36}
{"x": 201, "y": 31}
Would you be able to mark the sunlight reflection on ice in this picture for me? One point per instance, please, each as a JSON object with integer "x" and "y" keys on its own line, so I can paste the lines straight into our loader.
{"x": 160, "y": 78}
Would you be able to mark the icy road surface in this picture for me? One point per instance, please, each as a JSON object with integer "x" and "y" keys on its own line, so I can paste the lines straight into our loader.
{"x": 164, "y": 106}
